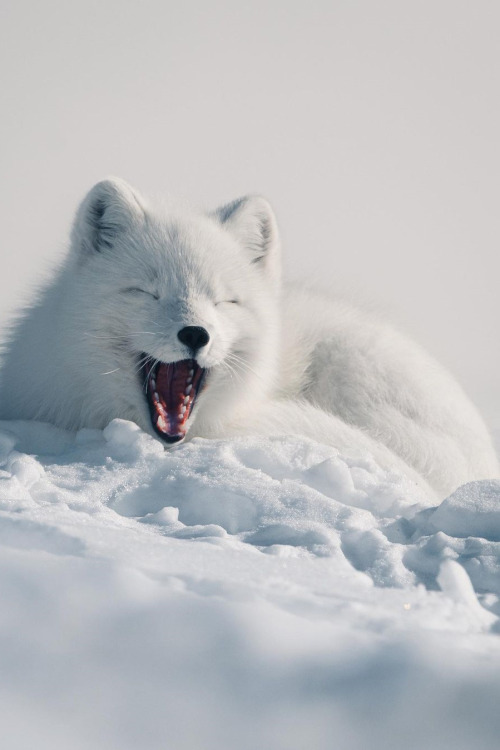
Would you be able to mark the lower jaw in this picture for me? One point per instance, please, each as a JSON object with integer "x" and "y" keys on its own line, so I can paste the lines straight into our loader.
{"x": 169, "y": 439}
{"x": 173, "y": 437}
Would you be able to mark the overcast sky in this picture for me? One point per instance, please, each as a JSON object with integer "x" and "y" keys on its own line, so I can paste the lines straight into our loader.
{"x": 372, "y": 127}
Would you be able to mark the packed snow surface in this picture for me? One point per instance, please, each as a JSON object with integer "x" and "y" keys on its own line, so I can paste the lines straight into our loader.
{"x": 251, "y": 593}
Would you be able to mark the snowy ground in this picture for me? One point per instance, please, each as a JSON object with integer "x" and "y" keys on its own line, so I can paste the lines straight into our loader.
{"x": 251, "y": 593}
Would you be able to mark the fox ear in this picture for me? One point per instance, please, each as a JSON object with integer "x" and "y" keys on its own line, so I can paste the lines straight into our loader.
{"x": 251, "y": 220}
{"x": 109, "y": 208}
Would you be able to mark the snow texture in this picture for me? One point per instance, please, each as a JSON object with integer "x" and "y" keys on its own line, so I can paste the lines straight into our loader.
{"x": 252, "y": 593}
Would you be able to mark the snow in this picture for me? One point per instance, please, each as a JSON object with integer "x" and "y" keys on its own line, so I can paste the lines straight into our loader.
{"x": 473, "y": 510}
{"x": 251, "y": 593}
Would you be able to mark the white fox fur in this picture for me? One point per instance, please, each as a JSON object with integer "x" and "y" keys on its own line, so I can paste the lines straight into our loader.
{"x": 279, "y": 360}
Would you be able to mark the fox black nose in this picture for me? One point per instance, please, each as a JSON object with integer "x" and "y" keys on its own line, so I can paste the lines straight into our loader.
{"x": 194, "y": 337}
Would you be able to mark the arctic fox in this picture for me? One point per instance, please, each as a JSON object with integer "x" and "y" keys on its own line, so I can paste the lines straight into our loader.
{"x": 180, "y": 324}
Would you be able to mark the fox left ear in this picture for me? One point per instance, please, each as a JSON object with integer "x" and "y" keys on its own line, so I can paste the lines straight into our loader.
{"x": 252, "y": 221}
{"x": 110, "y": 208}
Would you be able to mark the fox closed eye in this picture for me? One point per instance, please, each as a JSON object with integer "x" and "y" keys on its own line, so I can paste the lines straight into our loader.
{"x": 137, "y": 290}
{"x": 228, "y": 302}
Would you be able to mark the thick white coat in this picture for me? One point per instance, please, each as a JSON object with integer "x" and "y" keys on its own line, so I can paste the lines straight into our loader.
{"x": 279, "y": 360}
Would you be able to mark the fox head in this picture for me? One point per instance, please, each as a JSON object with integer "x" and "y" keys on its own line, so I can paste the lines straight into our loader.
{"x": 179, "y": 311}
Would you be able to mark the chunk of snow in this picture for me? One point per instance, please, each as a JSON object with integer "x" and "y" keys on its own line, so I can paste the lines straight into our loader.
{"x": 472, "y": 510}
{"x": 455, "y": 582}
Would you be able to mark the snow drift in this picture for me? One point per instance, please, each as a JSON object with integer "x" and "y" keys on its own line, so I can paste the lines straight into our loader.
{"x": 246, "y": 593}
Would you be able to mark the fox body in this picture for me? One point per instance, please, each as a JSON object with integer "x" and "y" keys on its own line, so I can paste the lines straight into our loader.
{"x": 181, "y": 324}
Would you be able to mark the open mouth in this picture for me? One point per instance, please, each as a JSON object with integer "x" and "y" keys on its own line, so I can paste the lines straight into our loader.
{"x": 171, "y": 391}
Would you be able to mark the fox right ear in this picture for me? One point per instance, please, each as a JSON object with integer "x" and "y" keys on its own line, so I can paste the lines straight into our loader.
{"x": 251, "y": 220}
{"x": 107, "y": 210}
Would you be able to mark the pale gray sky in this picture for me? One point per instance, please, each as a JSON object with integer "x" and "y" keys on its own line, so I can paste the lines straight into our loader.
{"x": 372, "y": 127}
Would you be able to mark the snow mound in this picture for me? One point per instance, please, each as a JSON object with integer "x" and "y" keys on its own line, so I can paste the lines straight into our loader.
{"x": 472, "y": 510}
{"x": 245, "y": 593}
